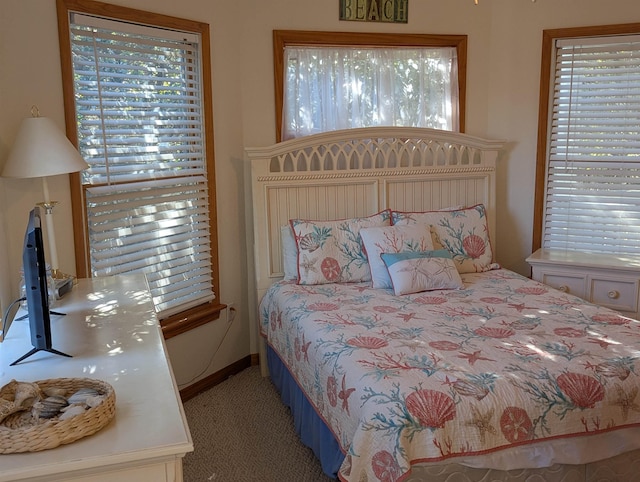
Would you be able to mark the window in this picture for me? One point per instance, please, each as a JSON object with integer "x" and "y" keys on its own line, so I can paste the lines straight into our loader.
{"x": 588, "y": 178}
{"x": 327, "y": 81}
{"x": 137, "y": 101}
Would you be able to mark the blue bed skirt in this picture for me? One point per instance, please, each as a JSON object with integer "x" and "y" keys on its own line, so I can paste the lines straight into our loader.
{"x": 309, "y": 426}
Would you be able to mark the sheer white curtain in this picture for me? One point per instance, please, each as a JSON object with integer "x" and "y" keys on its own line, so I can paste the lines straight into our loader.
{"x": 329, "y": 88}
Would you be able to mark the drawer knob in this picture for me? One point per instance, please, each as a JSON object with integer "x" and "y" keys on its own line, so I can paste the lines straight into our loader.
{"x": 613, "y": 294}
{"x": 564, "y": 288}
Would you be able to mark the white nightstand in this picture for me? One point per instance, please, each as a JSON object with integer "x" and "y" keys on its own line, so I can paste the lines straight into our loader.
{"x": 607, "y": 280}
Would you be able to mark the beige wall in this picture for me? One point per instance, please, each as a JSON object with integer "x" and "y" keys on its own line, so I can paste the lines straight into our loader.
{"x": 502, "y": 92}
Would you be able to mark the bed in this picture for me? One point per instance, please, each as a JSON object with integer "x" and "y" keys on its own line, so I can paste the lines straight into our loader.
{"x": 404, "y": 351}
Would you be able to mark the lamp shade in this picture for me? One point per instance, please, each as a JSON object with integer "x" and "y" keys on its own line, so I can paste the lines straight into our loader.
{"x": 40, "y": 150}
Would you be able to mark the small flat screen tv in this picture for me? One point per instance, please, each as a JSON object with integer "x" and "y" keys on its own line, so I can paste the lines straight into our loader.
{"x": 36, "y": 288}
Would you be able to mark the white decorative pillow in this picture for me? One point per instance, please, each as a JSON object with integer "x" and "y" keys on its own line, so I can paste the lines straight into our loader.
{"x": 392, "y": 239}
{"x": 332, "y": 251}
{"x": 464, "y": 232}
{"x": 412, "y": 272}
{"x": 289, "y": 253}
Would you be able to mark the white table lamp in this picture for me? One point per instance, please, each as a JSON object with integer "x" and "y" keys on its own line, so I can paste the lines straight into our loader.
{"x": 42, "y": 150}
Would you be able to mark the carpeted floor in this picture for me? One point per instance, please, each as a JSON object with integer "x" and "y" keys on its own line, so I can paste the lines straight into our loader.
{"x": 242, "y": 432}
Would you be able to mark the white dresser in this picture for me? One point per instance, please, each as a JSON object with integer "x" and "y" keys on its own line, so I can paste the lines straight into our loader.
{"x": 112, "y": 333}
{"x": 607, "y": 280}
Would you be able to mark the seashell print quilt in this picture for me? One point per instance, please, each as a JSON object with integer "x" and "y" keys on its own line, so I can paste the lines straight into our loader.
{"x": 440, "y": 375}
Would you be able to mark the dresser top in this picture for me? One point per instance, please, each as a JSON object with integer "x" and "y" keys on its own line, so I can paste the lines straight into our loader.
{"x": 111, "y": 331}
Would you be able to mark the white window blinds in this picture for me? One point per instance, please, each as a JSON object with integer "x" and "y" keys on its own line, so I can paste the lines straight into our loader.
{"x": 593, "y": 169}
{"x": 139, "y": 113}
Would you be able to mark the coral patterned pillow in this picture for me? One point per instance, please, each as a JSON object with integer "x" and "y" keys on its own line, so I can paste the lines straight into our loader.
{"x": 413, "y": 272}
{"x": 332, "y": 251}
{"x": 463, "y": 232}
{"x": 392, "y": 239}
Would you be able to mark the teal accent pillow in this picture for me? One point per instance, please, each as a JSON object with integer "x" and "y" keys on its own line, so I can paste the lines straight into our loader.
{"x": 392, "y": 239}
{"x": 413, "y": 272}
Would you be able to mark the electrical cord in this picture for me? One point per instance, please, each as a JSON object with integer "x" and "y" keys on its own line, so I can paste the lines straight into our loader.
{"x": 213, "y": 355}
{"x": 3, "y": 334}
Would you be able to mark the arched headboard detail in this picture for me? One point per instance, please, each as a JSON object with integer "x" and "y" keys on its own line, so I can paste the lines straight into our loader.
{"x": 358, "y": 172}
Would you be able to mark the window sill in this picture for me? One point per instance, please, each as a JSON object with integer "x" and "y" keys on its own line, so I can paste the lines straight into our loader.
{"x": 190, "y": 319}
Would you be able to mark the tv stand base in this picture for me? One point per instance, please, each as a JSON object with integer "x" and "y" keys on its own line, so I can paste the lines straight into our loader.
{"x": 36, "y": 350}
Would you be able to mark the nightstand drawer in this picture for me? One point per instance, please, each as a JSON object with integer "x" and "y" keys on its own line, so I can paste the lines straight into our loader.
{"x": 571, "y": 284}
{"x": 617, "y": 294}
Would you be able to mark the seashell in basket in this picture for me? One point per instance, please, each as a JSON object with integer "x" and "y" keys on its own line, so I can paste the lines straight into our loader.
{"x": 27, "y": 394}
{"x": 8, "y": 391}
{"x": 49, "y": 392}
{"x": 81, "y": 395}
{"x": 95, "y": 401}
{"x": 50, "y": 406}
{"x": 17, "y": 396}
{"x": 71, "y": 411}
{"x": 23, "y": 394}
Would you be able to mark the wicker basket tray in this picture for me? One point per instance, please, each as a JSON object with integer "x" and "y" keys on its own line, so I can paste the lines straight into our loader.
{"x": 33, "y": 437}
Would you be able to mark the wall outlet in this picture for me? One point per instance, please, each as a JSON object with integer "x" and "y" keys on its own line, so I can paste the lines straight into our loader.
{"x": 231, "y": 312}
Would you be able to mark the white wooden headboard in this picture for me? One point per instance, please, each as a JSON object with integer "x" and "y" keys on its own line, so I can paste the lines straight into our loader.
{"x": 358, "y": 172}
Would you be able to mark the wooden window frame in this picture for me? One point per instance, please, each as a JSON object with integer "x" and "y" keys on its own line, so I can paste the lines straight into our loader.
{"x": 284, "y": 38}
{"x": 549, "y": 38}
{"x": 194, "y": 317}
